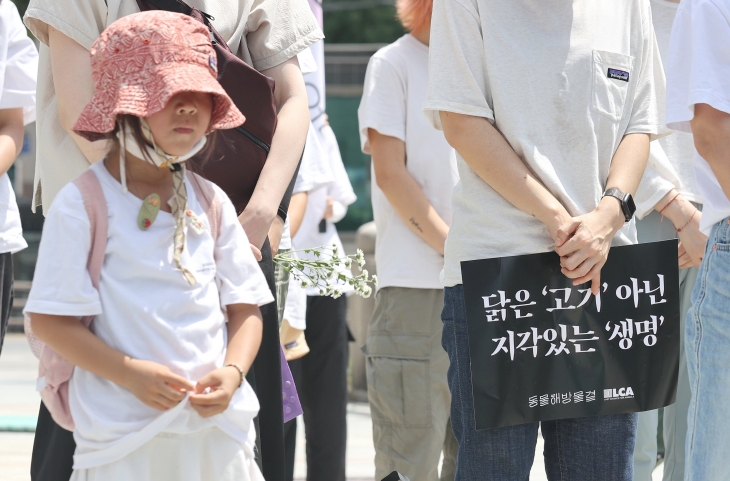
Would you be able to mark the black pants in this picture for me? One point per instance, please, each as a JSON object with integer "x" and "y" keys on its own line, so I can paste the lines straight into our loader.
{"x": 6, "y": 291}
{"x": 53, "y": 446}
{"x": 321, "y": 380}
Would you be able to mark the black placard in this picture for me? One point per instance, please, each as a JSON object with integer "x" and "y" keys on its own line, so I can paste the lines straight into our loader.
{"x": 543, "y": 349}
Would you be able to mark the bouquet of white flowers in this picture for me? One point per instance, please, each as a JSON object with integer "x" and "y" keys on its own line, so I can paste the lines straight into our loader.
{"x": 325, "y": 271}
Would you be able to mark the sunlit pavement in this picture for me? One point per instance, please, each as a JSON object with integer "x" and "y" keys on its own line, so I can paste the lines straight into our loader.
{"x": 19, "y": 406}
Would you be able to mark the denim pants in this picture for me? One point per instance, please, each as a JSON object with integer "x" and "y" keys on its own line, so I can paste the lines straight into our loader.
{"x": 652, "y": 229}
{"x": 707, "y": 344}
{"x": 596, "y": 448}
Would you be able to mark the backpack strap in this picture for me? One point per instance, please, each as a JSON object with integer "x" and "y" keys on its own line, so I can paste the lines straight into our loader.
{"x": 95, "y": 204}
{"x": 209, "y": 201}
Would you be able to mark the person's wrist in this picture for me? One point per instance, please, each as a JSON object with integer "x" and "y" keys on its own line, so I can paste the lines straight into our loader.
{"x": 610, "y": 209}
{"x": 554, "y": 217}
{"x": 679, "y": 211}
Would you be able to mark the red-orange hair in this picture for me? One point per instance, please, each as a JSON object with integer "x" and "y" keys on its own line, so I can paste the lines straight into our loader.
{"x": 414, "y": 14}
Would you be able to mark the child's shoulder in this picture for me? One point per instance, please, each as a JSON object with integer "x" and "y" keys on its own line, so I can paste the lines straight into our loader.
{"x": 68, "y": 201}
{"x": 208, "y": 185}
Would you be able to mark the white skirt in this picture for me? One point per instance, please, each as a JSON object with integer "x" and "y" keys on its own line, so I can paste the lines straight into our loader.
{"x": 206, "y": 455}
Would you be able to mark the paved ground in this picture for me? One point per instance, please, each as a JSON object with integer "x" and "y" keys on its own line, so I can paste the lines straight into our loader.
{"x": 19, "y": 405}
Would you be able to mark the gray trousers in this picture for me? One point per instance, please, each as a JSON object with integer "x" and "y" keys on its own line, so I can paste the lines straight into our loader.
{"x": 407, "y": 385}
{"x": 651, "y": 229}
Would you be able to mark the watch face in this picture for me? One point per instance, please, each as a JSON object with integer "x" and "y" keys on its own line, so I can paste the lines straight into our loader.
{"x": 630, "y": 203}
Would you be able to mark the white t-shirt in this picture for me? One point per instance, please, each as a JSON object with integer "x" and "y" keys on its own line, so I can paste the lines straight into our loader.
{"x": 395, "y": 89}
{"x": 340, "y": 190}
{"x": 18, "y": 67}
{"x": 671, "y": 157}
{"x": 146, "y": 309}
{"x": 563, "y": 82}
{"x": 698, "y": 72}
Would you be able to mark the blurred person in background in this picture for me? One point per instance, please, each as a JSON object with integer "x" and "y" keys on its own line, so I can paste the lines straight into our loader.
{"x": 698, "y": 101}
{"x": 18, "y": 68}
{"x": 669, "y": 189}
{"x": 414, "y": 172}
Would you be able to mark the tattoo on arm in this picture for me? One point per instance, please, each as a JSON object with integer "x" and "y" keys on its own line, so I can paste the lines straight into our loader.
{"x": 416, "y": 225}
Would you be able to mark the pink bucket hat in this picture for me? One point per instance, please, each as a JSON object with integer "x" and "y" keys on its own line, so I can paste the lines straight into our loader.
{"x": 140, "y": 61}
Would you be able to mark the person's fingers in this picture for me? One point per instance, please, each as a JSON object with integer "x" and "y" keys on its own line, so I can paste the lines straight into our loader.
{"x": 171, "y": 393}
{"x": 681, "y": 250}
{"x": 685, "y": 261}
{"x": 177, "y": 381}
{"x": 164, "y": 402}
{"x": 589, "y": 276}
{"x": 208, "y": 411}
{"x": 596, "y": 284}
{"x": 564, "y": 233}
{"x": 577, "y": 259}
{"x": 210, "y": 399}
{"x": 256, "y": 252}
{"x": 581, "y": 270}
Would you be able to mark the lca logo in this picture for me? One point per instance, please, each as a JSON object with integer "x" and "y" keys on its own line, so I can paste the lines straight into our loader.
{"x": 622, "y": 393}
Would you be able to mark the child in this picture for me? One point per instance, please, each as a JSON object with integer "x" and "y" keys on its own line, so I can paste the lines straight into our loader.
{"x": 18, "y": 66}
{"x": 158, "y": 391}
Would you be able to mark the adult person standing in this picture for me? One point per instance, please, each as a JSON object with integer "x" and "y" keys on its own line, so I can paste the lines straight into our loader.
{"x": 267, "y": 34}
{"x": 18, "y": 66}
{"x": 550, "y": 106}
{"x": 414, "y": 172}
{"x": 669, "y": 189}
{"x": 698, "y": 100}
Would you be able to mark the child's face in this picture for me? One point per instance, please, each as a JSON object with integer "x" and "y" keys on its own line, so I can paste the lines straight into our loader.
{"x": 182, "y": 123}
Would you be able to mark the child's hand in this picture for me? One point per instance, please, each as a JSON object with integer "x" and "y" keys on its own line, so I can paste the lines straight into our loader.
{"x": 155, "y": 385}
{"x": 223, "y": 383}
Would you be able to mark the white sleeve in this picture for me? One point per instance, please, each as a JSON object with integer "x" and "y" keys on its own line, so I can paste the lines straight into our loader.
{"x": 647, "y": 110}
{"x": 240, "y": 279}
{"x": 698, "y": 70}
{"x": 314, "y": 170}
{"x": 339, "y": 211}
{"x": 457, "y": 79}
{"x": 18, "y": 64}
{"x": 383, "y": 103}
{"x": 658, "y": 179}
{"x": 61, "y": 284}
{"x": 341, "y": 188}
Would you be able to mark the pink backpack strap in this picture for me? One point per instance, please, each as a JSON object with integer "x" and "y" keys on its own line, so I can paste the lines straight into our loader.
{"x": 95, "y": 204}
{"x": 209, "y": 201}
{"x": 54, "y": 370}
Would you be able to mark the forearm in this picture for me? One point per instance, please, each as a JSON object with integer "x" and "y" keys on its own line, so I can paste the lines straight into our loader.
{"x": 74, "y": 87}
{"x": 492, "y": 158}
{"x": 11, "y": 137}
{"x": 245, "y": 327}
{"x": 711, "y": 130}
{"x": 286, "y": 150}
{"x": 415, "y": 210}
{"x": 78, "y": 345}
{"x": 297, "y": 208}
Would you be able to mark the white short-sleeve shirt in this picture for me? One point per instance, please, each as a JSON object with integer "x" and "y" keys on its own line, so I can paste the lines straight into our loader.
{"x": 395, "y": 89}
{"x": 563, "y": 82}
{"x": 146, "y": 309}
{"x": 18, "y": 67}
{"x": 698, "y": 72}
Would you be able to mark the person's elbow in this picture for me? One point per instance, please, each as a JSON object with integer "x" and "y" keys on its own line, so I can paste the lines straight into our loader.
{"x": 457, "y": 128}
{"x": 711, "y": 131}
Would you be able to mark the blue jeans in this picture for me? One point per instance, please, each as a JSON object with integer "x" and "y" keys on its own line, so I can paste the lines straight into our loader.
{"x": 596, "y": 449}
{"x": 707, "y": 344}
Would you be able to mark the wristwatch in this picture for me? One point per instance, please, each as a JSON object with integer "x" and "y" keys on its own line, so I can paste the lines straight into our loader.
{"x": 627, "y": 202}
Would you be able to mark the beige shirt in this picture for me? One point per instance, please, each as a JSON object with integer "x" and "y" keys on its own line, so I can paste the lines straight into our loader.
{"x": 263, "y": 33}
{"x": 563, "y": 81}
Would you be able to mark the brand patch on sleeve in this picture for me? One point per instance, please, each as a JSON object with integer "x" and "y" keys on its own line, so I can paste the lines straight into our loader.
{"x": 618, "y": 74}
